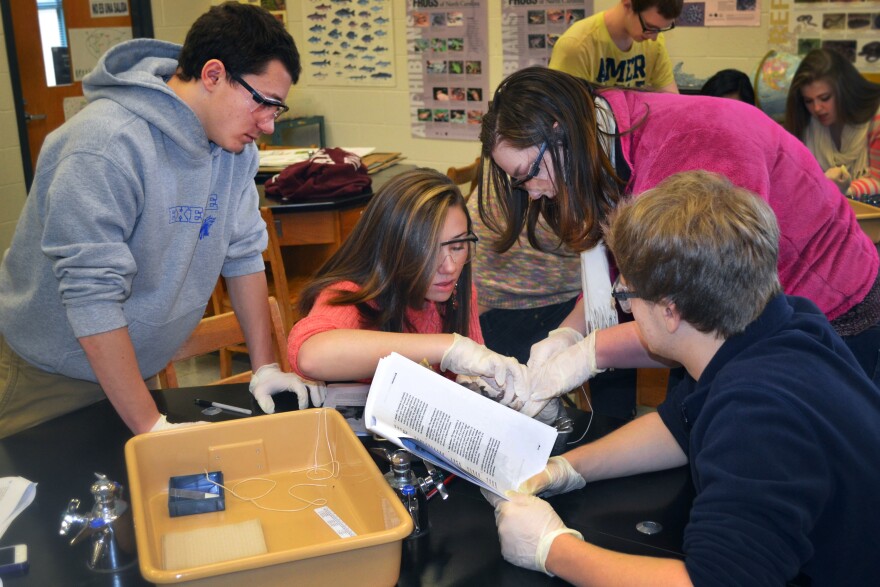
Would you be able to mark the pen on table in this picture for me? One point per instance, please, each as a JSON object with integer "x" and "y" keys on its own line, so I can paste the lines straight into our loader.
{"x": 206, "y": 403}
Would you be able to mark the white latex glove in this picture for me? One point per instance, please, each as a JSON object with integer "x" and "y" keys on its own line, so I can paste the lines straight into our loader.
{"x": 556, "y": 341}
{"x": 544, "y": 411}
{"x": 466, "y": 357}
{"x": 527, "y": 527}
{"x": 840, "y": 176}
{"x": 163, "y": 424}
{"x": 270, "y": 379}
{"x": 565, "y": 370}
{"x": 557, "y": 477}
{"x": 486, "y": 388}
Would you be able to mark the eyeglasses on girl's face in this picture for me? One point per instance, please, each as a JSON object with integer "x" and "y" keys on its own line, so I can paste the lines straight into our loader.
{"x": 462, "y": 250}
{"x": 534, "y": 169}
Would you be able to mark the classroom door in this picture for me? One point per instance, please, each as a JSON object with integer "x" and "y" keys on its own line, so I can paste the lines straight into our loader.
{"x": 43, "y": 93}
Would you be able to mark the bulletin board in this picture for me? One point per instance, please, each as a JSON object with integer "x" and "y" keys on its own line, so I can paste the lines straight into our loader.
{"x": 348, "y": 43}
{"x": 447, "y": 60}
{"x": 529, "y": 31}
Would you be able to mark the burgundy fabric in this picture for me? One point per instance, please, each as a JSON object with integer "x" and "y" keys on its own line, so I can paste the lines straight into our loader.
{"x": 328, "y": 173}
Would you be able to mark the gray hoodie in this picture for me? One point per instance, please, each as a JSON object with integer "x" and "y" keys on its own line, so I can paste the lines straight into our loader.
{"x": 132, "y": 216}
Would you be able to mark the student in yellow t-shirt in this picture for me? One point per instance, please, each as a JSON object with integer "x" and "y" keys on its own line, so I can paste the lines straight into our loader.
{"x": 622, "y": 46}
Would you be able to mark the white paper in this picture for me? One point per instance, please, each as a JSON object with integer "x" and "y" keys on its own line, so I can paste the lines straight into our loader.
{"x": 456, "y": 429}
{"x": 16, "y": 493}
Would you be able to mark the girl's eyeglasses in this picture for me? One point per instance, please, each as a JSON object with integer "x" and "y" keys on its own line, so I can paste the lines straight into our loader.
{"x": 517, "y": 184}
{"x": 462, "y": 250}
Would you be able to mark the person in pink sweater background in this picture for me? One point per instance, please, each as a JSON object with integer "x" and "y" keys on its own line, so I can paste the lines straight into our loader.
{"x": 561, "y": 148}
{"x": 401, "y": 282}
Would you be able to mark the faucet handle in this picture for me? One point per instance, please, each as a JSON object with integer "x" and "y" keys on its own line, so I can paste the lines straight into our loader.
{"x": 72, "y": 522}
{"x": 435, "y": 478}
{"x": 71, "y": 519}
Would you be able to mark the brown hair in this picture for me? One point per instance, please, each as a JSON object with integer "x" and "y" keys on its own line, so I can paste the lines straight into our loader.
{"x": 670, "y": 9}
{"x": 392, "y": 255}
{"x": 701, "y": 242}
{"x": 530, "y": 107}
{"x": 857, "y": 98}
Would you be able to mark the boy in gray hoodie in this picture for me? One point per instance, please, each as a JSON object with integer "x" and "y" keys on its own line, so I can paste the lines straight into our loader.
{"x": 139, "y": 203}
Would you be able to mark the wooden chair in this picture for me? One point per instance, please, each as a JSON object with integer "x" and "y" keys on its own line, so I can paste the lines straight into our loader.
{"x": 467, "y": 175}
{"x": 218, "y": 332}
{"x": 279, "y": 287}
{"x": 651, "y": 386}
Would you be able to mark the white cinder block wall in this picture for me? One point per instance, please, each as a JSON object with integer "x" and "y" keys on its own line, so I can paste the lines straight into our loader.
{"x": 12, "y": 192}
{"x": 379, "y": 117}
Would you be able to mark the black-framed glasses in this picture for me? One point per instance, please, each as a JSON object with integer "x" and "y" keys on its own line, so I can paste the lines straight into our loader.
{"x": 518, "y": 183}
{"x": 462, "y": 250}
{"x": 623, "y": 295}
{"x": 276, "y": 107}
{"x": 650, "y": 30}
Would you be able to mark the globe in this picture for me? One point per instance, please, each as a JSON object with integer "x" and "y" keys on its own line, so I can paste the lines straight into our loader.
{"x": 772, "y": 81}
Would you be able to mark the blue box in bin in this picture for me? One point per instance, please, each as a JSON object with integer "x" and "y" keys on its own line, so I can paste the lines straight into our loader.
{"x": 195, "y": 494}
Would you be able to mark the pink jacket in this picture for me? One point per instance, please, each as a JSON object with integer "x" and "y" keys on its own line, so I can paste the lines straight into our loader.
{"x": 823, "y": 253}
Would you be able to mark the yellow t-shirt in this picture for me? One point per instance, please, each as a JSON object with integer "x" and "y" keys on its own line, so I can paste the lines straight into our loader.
{"x": 587, "y": 51}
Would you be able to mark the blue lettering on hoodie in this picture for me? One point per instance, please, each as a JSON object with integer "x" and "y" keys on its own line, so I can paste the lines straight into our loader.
{"x": 189, "y": 214}
{"x": 206, "y": 227}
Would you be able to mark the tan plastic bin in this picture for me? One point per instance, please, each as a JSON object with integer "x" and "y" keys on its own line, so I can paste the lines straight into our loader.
{"x": 302, "y": 547}
{"x": 869, "y": 219}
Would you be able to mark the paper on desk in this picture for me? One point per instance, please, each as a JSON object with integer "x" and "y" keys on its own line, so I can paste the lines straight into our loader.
{"x": 284, "y": 157}
{"x": 456, "y": 429}
{"x": 16, "y": 493}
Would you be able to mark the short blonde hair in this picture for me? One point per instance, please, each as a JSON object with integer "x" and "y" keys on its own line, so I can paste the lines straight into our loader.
{"x": 703, "y": 243}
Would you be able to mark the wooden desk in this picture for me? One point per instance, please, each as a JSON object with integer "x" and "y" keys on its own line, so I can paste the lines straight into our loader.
{"x": 461, "y": 548}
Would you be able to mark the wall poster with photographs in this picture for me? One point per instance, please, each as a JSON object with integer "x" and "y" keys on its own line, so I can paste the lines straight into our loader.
{"x": 721, "y": 13}
{"x": 852, "y": 28}
{"x": 348, "y": 43}
{"x": 448, "y": 56}
{"x": 529, "y": 30}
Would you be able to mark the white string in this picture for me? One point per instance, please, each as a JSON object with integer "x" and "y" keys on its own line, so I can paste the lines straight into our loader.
{"x": 590, "y": 421}
{"x": 315, "y": 472}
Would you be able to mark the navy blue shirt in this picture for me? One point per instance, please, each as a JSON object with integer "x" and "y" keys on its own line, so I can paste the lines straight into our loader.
{"x": 782, "y": 433}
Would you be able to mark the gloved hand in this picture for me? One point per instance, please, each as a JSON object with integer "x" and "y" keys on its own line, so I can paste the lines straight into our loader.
{"x": 544, "y": 411}
{"x": 486, "y": 388}
{"x": 840, "y": 176}
{"x": 556, "y": 341}
{"x": 163, "y": 424}
{"x": 565, "y": 370}
{"x": 557, "y": 477}
{"x": 466, "y": 357}
{"x": 527, "y": 527}
{"x": 270, "y": 379}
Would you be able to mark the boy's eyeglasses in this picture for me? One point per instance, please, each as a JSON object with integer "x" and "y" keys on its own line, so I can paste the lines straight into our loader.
{"x": 650, "y": 30}
{"x": 276, "y": 107}
{"x": 462, "y": 250}
{"x": 517, "y": 184}
{"x": 623, "y": 295}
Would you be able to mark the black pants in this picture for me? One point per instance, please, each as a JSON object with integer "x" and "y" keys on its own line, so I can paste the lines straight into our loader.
{"x": 513, "y": 332}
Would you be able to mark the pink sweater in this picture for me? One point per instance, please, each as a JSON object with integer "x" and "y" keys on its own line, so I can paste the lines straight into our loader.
{"x": 324, "y": 317}
{"x": 823, "y": 253}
